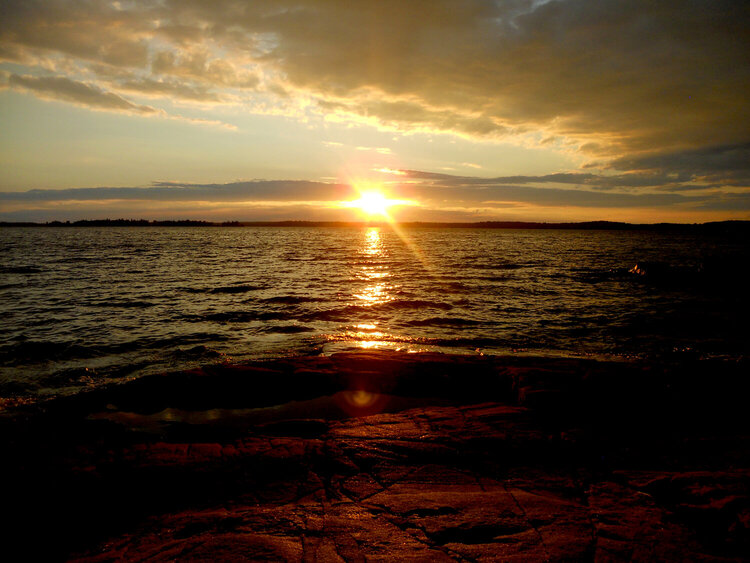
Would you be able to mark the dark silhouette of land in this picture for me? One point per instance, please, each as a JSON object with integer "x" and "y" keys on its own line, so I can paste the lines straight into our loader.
{"x": 388, "y": 456}
{"x": 715, "y": 226}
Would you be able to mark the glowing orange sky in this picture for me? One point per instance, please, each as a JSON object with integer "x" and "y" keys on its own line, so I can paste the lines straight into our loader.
{"x": 472, "y": 110}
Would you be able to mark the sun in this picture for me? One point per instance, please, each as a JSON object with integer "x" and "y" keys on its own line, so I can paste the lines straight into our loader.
{"x": 372, "y": 203}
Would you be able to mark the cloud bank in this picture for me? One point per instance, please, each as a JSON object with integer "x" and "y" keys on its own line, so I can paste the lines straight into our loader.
{"x": 631, "y": 84}
{"x": 440, "y": 197}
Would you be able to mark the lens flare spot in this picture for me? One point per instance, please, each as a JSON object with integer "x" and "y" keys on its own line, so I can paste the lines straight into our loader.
{"x": 361, "y": 398}
{"x": 360, "y": 402}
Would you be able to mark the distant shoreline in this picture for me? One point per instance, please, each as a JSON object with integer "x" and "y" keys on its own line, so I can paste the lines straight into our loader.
{"x": 715, "y": 226}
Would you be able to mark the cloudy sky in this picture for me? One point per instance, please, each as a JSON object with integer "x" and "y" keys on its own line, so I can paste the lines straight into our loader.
{"x": 552, "y": 110}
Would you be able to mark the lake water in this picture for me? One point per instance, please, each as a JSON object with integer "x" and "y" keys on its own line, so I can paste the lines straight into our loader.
{"x": 82, "y": 306}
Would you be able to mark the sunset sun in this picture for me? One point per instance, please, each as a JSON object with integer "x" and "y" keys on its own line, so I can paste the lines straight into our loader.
{"x": 373, "y": 203}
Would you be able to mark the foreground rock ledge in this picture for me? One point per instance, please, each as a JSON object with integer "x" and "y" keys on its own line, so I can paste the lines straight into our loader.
{"x": 388, "y": 456}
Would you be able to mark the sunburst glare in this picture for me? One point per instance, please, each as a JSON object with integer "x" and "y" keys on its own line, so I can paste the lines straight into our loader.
{"x": 373, "y": 202}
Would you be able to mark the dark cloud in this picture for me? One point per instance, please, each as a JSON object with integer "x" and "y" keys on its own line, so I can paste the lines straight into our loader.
{"x": 727, "y": 202}
{"x": 491, "y": 192}
{"x": 88, "y": 30}
{"x": 729, "y": 164}
{"x": 593, "y": 181}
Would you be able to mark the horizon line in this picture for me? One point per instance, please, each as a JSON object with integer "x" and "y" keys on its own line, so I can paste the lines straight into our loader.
{"x": 589, "y": 225}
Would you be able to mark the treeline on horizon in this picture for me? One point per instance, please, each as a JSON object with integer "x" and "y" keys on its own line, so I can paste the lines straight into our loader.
{"x": 743, "y": 226}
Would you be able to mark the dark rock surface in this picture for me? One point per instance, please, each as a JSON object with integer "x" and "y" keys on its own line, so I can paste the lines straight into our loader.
{"x": 388, "y": 456}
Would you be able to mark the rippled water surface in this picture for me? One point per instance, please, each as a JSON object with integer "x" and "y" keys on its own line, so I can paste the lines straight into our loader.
{"x": 85, "y": 305}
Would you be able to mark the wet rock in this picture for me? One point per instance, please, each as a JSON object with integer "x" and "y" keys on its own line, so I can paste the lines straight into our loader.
{"x": 503, "y": 459}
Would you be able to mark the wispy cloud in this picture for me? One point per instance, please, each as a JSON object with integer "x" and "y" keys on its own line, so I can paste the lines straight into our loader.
{"x": 79, "y": 93}
{"x": 255, "y": 190}
{"x": 92, "y": 97}
{"x": 169, "y": 88}
{"x": 379, "y": 150}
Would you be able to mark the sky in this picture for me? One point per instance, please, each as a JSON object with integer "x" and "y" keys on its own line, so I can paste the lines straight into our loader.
{"x": 465, "y": 110}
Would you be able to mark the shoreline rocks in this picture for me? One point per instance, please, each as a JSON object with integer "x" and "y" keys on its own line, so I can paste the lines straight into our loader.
{"x": 388, "y": 456}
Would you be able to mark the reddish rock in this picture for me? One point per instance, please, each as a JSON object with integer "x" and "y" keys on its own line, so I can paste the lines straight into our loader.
{"x": 473, "y": 472}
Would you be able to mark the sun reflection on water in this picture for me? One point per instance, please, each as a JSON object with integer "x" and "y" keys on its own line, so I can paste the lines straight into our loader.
{"x": 374, "y": 243}
{"x": 377, "y": 291}
{"x": 374, "y": 287}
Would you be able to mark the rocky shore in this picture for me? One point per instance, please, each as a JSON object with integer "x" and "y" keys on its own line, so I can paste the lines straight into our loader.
{"x": 388, "y": 456}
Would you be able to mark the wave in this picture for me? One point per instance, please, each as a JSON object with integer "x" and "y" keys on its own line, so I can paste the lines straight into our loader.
{"x": 453, "y": 285}
{"x": 236, "y": 289}
{"x": 49, "y": 320}
{"x": 124, "y": 304}
{"x": 41, "y": 351}
{"x": 414, "y": 304}
{"x": 239, "y": 316}
{"x": 291, "y": 299}
{"x": 468, "y": 343}
{"x": 346, "y": 313}
{"x": 286, "y": 329}
{"x": 479, "y": 342}
{"x": 196, "y": 352}
{"x": 223, "y": 289}
{"x": 498, "y": 278}
{"x": 77, "y": 259}
{"x": 19, "y": 270}
{"x": 501, "y": 266}
{"x": 444, "y": 321}
{"x": 593, "y": 275}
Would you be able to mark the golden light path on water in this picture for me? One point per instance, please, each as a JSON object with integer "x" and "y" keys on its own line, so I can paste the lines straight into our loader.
{"x": 376, "y": 292}
{"x": 374, "y": 270}
{"x": 361, "y": 399}
{"x": 373, "y": 286}
{"x": 376, "y": 274}
{"x": 379, "y": 288}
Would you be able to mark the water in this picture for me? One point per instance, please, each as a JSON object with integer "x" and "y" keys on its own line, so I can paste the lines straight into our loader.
{"x": 83, "y": 306}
